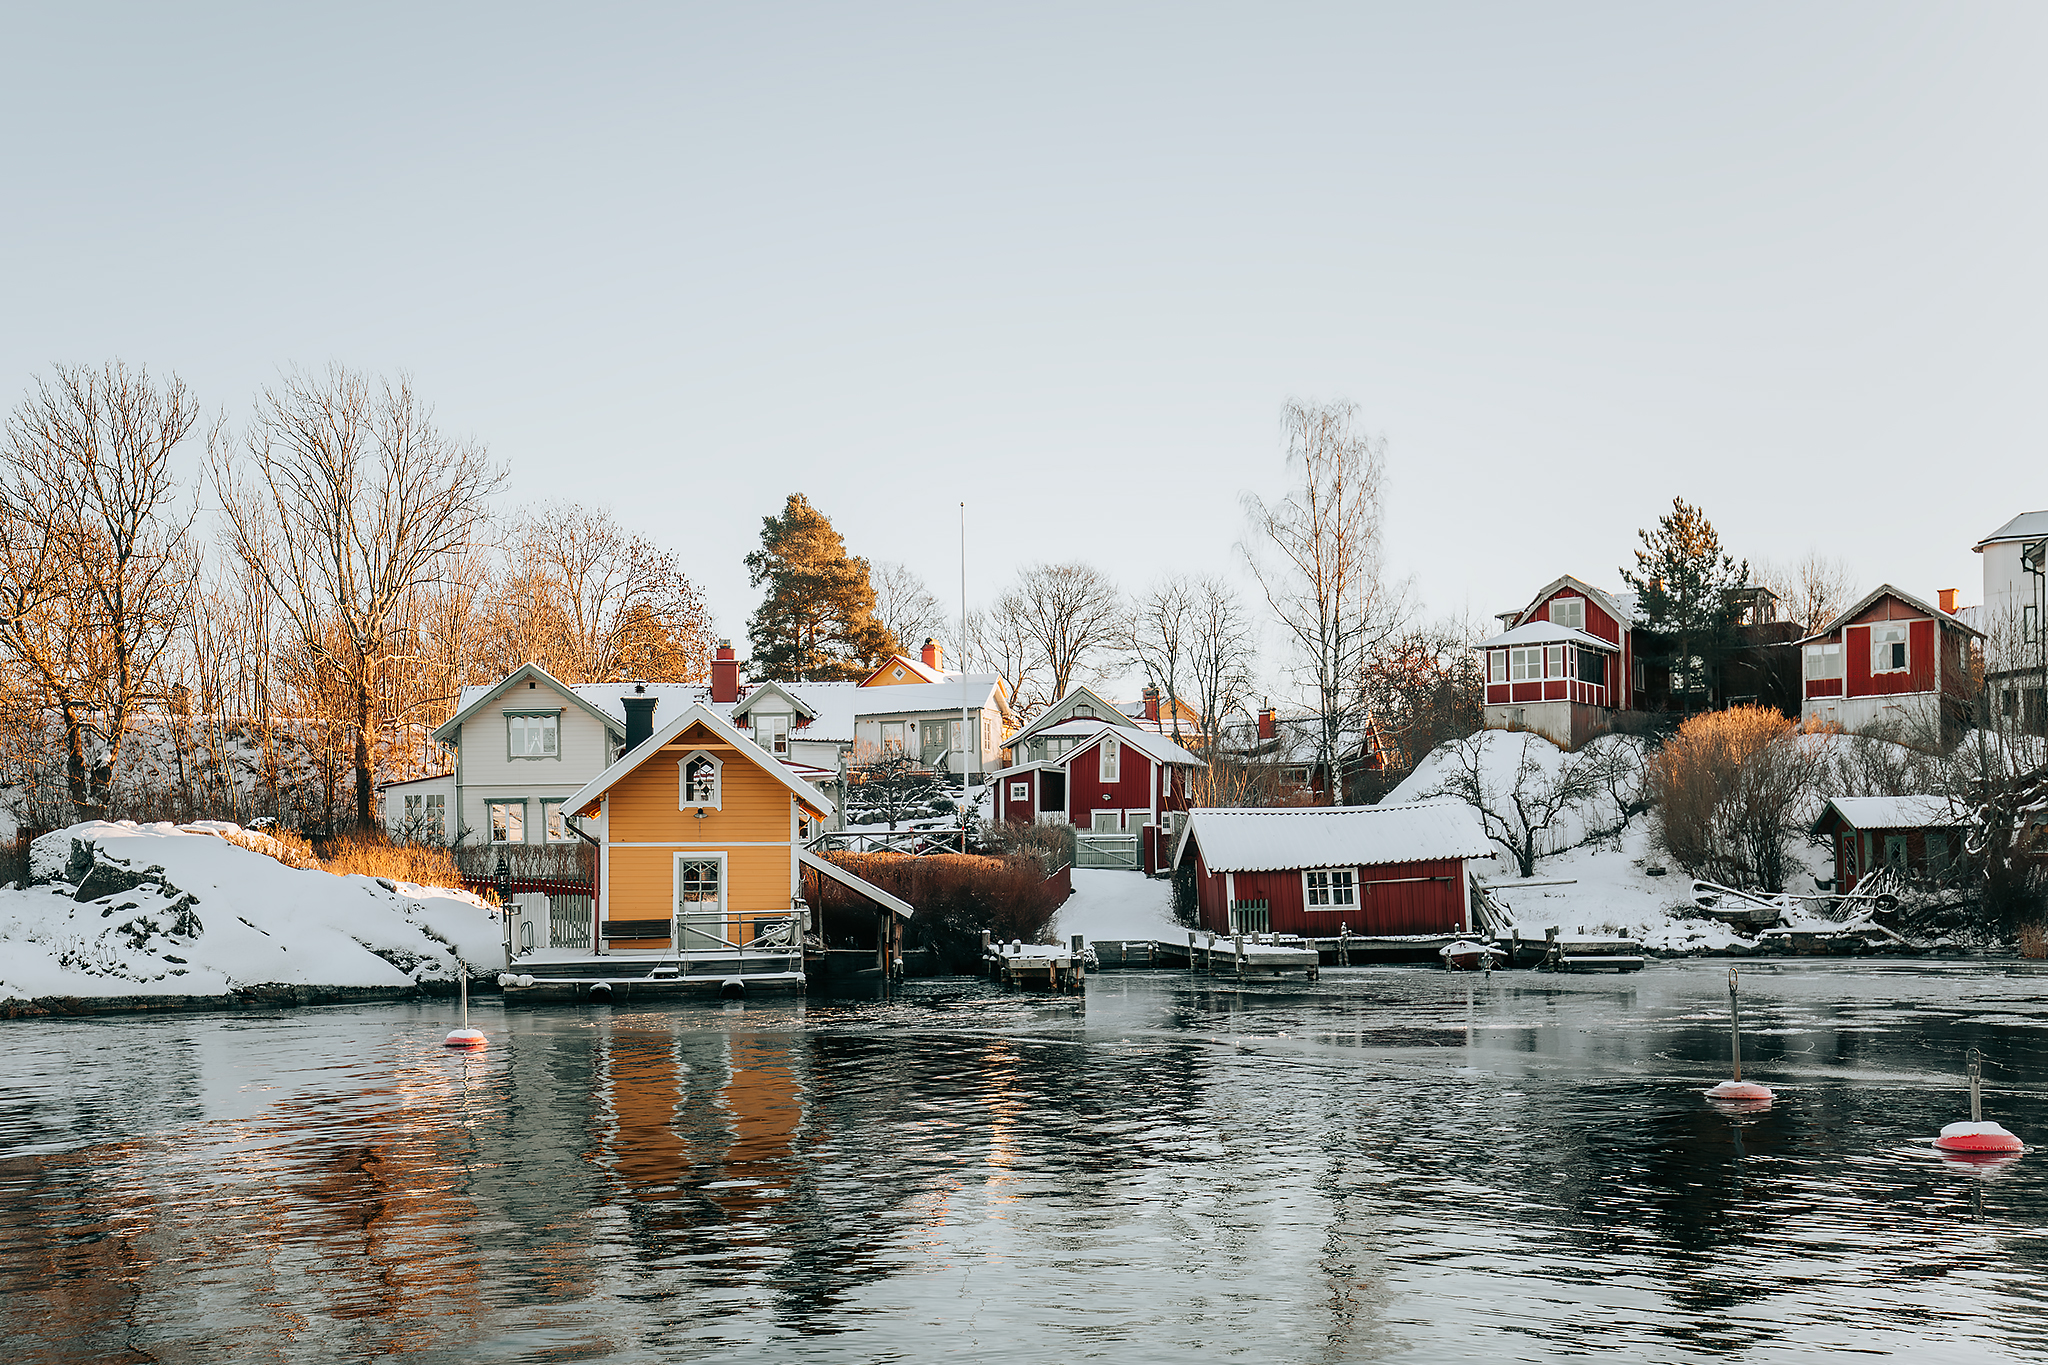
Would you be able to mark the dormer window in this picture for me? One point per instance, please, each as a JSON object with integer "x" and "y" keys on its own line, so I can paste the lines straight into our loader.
{"x": 772, "y": 733}
{"x": 701, "y": 783}
{"x": 1568, "y": 611}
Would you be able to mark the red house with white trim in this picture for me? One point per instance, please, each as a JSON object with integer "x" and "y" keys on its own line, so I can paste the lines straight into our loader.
{"x": 1376, "y": 870}
{"x": 1564, "y": 665}
{"x": 1891, "y": 658}
{"x": 1108, "y": 778}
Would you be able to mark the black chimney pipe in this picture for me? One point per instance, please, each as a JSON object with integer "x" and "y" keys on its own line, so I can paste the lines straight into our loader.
{"x": 639, "y": 721}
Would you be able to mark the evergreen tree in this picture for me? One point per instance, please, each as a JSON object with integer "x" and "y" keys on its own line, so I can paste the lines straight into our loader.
{"x": 818, "y": 620}
{"x": 1683, "y": 583}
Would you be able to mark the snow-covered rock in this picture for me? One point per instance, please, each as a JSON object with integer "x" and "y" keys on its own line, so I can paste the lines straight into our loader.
{"x": 121, "y": 909}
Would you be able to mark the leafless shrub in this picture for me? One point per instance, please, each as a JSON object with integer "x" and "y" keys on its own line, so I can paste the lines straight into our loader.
{"x": 1729, "y": 787}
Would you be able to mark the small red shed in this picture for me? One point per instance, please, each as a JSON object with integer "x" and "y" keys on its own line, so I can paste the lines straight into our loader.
{"x": 1377, "y": 870}
{"x": 1920, "y": 836}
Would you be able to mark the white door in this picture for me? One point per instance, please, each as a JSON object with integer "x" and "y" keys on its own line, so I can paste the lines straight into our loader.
{"x": 1107, "y": 822}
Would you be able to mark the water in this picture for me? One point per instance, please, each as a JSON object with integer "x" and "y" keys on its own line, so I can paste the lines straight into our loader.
{"x": 1394, "y": 1164}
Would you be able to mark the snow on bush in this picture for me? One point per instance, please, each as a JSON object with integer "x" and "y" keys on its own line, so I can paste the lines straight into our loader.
{"x": 121, "y": 909}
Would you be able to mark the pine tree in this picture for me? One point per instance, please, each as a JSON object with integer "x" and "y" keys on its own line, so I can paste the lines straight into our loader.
{"x": 818, "y": 620}
{"x": 1684, "y": 581}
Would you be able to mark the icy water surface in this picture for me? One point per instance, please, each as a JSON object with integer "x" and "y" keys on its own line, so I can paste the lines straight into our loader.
{"x": 1394, "y": 1164}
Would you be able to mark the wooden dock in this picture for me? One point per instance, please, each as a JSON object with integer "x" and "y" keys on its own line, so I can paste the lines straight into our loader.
{"x": 1552, "y": 953}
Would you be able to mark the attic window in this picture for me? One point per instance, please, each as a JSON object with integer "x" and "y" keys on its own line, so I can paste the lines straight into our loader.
{"x": 1888, "y": 648}
{"x": 1084, "y": 711}
{"x": 896, "y": 672}
{"x": 701, "y": 785}
{"x": 1568, "y": 611}
{"x": 1107, "y": 760}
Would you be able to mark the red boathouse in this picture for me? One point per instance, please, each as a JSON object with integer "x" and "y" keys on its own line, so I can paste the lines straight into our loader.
{"x": 1377, "y": 870}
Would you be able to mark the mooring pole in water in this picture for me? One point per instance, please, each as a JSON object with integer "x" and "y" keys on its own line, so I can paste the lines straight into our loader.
{"x": 465, "y": 1023}
{"x": 1343, "y": 945}
{"x": 464, "y": 1036}
{"x": 1734, "y": 1026}
{"x": 1976, "y": 1086}
{"x": 1238, "y": 945}
{"x": 1977, "y": 1137}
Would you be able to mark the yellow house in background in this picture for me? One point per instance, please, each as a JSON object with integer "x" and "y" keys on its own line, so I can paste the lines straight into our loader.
{"x": 700, "y": 836}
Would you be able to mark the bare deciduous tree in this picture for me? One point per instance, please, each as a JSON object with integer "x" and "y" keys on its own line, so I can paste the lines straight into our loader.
{"x": 1812, "y": 591}
{"x": 998, "y": 643}
{"x": 94, "y": 554}
{"x": 1535, "y": 812}
{"x": 1162, "y": 627}
{"x": 607, "y": 604}
{"x": 905, "y": 605}
{"x": 366, "y": 496}
{"x": 1221, "y": 648}
{"x": 1317, "y": 554}
{"x": 1069, "y": 614}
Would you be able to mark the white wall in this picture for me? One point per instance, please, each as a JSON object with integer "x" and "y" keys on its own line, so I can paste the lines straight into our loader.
{"x": 490, "y": 774}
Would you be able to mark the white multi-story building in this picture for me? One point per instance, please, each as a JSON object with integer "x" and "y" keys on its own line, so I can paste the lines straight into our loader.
{"x": 2014, "y": 619}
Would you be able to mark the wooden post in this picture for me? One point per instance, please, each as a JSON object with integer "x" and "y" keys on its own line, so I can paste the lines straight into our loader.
{"x": 1550, "y": 956}
{"x": 1343, "y": 945}
{"x": 1191, "y": 952}
{"x": 1238, "y": 942}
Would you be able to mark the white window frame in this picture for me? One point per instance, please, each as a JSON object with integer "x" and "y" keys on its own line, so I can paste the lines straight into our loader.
{"x": 1020, "y": 791}
{"x": 491, "y": 820}
{"x": 1330, "y": 888}
{"x": 882, "y": 745}
{"x": 551, "y": 735}
{"x": 1109, "y": 759}
{"x": 1881, "y": 636}
{"x": 1824, "y": 661}
{"x": 1554, "y": 661}
{"x": 1138, "y": 817}
{"x": 771, "y": 732}
{"x": 1525, "y": 663}
{"x": 1496, "y": 665}
{"x": 1115, "y": 819}
{"x": 684, "y": 801}
{"x": 1577, "y": 610}
{"x": 553, "y": 814}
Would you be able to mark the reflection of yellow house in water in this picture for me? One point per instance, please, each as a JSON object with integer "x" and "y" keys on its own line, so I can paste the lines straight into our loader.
{"x": 700, "y": 855}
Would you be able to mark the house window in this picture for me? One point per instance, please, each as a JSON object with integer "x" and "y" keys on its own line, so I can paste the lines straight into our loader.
{"x": 1525, "y": 664}
{"x": 1496, "y": 665}
{"x": 1553, "y": 661}
{"x": 1332, "y": 889}
{"x": 892, "y": 739}
{"x": 1888, "y": 648}
{"x": 508, "y": 822}
{"x": 426, "y": 819}
{"x": 897, "y": 672}
{"x": 1084, "y": 711}
{"x": 2030, "y": 624}
{"x": 1107, "y": 760}
{"x": 1689, "y": 674}
{"x": 700, "y": 782}
{"x": 1106, "y": 822}
{"x": 1297, "y": 774}
{"x": 1824, "y": 661}
{"x": 1937, "y": 853}
{"x": 1895, "y": 851}
{"x": 556, "y": 823}
{"x": 1592, "y": 668}
{"x": 959, "y": 737}
{"x": 772, "y": 734}
{"x": 532, "y": 734}
{"x": 1020, "y": 791}
{"x": 1568, "y": 611}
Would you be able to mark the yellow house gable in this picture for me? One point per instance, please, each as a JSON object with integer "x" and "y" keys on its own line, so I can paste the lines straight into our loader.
{"x": 900, "y": 669}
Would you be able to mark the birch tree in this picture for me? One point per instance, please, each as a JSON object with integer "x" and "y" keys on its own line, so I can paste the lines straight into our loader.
{"x": 1318, "y": 556}
{"x": 94, "y": 553}
{"x": 365, "y": 496}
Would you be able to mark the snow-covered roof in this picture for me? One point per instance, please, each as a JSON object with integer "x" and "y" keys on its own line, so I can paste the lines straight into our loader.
{"x": 1547, "y": 633}
{"x": 470, "y": 698}
{"x": 745, "y": 750}
{"x": 914, "y": 666}
{"x": 1078, "y": 695}
{"x": 1890, "y": 812}
{"x": 1154, "y": 745}
{"x": 1620, "y": 605}
{"x": 2025, "y": 526}
{"x": 978, "y": 690}
{"x": 1884, "y": 590}
{"x": 1282, "y": 838}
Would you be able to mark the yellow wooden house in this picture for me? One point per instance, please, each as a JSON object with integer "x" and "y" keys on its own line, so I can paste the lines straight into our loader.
{"x": 701, "y": 854}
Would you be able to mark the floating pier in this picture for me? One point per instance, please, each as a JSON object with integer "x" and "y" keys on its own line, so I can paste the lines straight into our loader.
{"x": 1034, "y": 966}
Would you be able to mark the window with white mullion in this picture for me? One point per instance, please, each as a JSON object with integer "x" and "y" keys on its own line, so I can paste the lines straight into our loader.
{"x": 1330, "y": 888}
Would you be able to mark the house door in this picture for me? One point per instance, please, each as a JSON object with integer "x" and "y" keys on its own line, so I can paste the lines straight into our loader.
{"x": 1106, "y": 822}
{"x": 1052, "y": 793}
{"x": 700, "y": 903}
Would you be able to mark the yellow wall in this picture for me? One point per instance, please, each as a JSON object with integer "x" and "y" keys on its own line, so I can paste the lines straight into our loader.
{"x": 751, "y": 827}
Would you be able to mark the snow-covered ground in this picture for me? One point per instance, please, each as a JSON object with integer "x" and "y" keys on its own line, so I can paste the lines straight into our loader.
{"x": 1607, "y": 887}
{"x": 1118, "y": 905}
{"x": 141, "y": 910}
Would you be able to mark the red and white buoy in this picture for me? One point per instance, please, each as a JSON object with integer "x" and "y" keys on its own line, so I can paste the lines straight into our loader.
{"x": 464, "y": 1036}
{"x": 1737, "y": 1089}
{"x": 1977, "y": 1137}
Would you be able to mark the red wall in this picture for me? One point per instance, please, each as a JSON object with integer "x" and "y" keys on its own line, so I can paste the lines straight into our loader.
{"x": 1131, "y": 790}
{"x": 1389, "y": 901}
{"x": 1025, "y": 810}
{"x": 1921, "y": 668}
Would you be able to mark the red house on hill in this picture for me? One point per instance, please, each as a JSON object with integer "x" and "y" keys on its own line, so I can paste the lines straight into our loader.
{"x": 1564, "y": 665}
{"x": 1315, "y": 870}
{"x": 1891, "y": 658}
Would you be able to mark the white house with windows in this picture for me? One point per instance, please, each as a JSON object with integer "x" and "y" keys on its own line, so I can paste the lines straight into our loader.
{"x": 2014, "y": 619}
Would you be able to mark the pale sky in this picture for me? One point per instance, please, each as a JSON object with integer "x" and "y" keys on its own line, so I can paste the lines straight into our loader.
{"x": 1067, "y": 262}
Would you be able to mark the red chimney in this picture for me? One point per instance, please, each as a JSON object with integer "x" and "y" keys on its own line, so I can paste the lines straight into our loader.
{"x": 1267, "y": 729}
{"x": 1152, "y": 704}
{"x": 934, "y": 655}
{"x": 1947, "y": 598}
{"x": 725, "y": 675}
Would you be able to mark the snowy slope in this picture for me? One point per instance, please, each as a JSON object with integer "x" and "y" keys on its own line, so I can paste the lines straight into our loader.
{"x": 136, "y": 910}
{"x": 1118, "y": 905}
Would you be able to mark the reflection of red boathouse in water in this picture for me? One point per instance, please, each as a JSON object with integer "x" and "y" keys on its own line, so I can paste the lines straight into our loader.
{"x": 1381, "y": 870}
